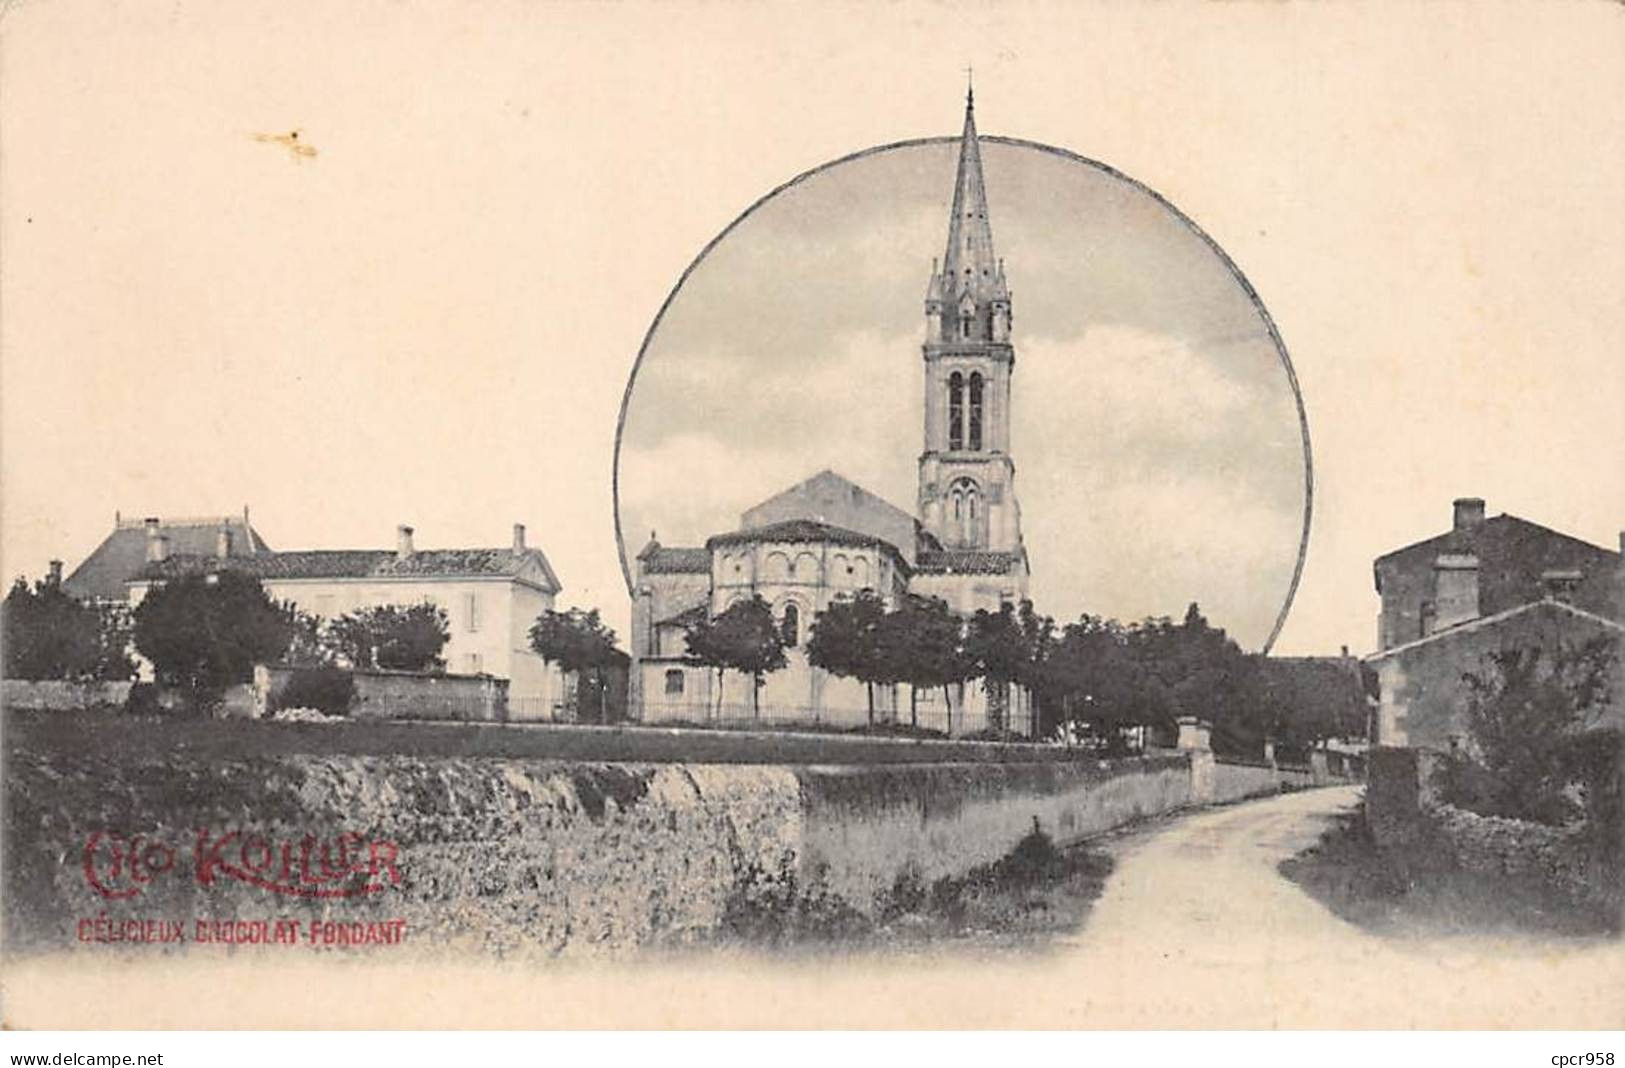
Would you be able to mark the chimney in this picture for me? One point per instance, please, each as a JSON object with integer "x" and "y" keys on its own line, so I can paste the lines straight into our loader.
{"x": 222, "y": 541}
{"x": 518, "y": 538}
{"x": 53, "y": 577}
{"x": 157, "y": 544}
{"x": 1469, "y": 512}
{"x": 403, "y": 542}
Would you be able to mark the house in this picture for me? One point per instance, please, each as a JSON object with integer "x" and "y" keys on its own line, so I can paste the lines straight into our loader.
{"x": 1482, "y": 567}
{"x": 1485, "y": 585}
{"x": 103, "y": 575}
{"x": 491, "y": 597}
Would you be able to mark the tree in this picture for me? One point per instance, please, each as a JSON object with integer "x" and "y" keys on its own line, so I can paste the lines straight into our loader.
{"x": 1096, "y": 678}
{"x": 1200, "y": 672}
{"x": 49, "y": 634}
{"x": 922, "y": 641}
{"x": 1531, "y": 720}
{"x": 1004, "y": 647}
{"x": 205, "y": 632}
{"x": 393, "y": 637}
{"x": 846, "y": 641}
{"x": 744, "y": 638}
{"x": 578, "y": 642}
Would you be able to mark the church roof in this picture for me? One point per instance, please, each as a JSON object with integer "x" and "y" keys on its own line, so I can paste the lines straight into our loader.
{"x": 968, "y": 562}
{"x": 808, "y": 530}
{"x": 123, "y": 552}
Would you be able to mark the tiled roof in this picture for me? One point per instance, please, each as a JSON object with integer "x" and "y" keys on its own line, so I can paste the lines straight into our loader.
{"x": 692, "y": 614}
{"x": 808, "y": 530}
{"x": 1512, "y": 531}
{"x": 1471, "y": 626}
{"x": 358, "y": 563}
{"x": 123, "y": 553}
{"x": 798, "y": 530}
{"x": 659, "y": 560}
{"x": 968, "y": 562}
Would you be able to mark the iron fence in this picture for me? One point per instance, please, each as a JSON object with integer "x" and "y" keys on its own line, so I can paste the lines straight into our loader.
{"x": 931, "y": 719}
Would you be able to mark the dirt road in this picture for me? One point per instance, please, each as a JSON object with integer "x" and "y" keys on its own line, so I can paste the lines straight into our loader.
{"x": 1205, "y": 932}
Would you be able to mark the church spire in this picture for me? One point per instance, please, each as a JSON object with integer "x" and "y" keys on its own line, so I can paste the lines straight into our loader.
{"x": 968, "y": 264}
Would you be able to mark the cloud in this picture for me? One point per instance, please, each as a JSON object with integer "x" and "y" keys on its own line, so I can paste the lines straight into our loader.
{"x": 742, "y": 440}
{"x": 1156, "y": 437}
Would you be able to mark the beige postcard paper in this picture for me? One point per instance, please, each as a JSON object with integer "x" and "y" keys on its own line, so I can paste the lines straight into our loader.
{"x": 535, "y": 515}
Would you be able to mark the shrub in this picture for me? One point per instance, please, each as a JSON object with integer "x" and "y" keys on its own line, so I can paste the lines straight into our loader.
{"x": 776, "y": 907}
{"x": 393, "y": 637}
{"x": 327, "y": 689}
{"x": 156, "y": 699}
{"x": 1533, "y": 753}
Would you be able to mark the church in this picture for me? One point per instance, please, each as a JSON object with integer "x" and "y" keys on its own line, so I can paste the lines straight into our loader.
{"x": 828, "y": 537}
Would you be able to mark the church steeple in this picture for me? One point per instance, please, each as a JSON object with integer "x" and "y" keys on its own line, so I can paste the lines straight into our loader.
{"x": 968, "y": 297}
{"x": 968, "y": 263}
{"x": 967, "y": 478}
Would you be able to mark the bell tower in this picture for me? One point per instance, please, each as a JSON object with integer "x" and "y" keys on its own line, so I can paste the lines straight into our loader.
{"x": 967, "y": 478}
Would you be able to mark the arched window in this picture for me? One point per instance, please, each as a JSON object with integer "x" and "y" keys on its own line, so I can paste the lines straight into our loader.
{"x": 956, "y": 411}
{"x": 966, "y": 525}
{"x": 976, "y": 413}
{"x": 790, "y": 627}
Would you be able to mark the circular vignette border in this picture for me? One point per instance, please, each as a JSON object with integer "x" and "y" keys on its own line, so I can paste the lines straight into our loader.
{"x": 1017, "y": 142}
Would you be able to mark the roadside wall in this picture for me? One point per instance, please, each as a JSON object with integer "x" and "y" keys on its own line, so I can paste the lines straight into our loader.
{"x": 1234, "y": 781}
{"x": 862, "y": 828}
{"x": 513, "y": 857}
{"x": 50, "y": 695}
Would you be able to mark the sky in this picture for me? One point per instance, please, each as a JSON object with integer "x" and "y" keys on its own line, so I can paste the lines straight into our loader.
{"x": 1156, "y": 436}
{"x": 433, "y": 318}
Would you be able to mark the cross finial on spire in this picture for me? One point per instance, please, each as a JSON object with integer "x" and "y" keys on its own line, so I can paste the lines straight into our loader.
{"x": 970, "y": 87}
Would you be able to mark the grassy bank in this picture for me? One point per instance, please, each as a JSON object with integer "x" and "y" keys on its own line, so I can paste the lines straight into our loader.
{"x": 1419, "y": 892}
{"x": 1018, "y": 903}
{"x": 145, "y": 740}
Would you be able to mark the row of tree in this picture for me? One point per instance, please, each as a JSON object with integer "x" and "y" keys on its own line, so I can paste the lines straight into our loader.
{"x": 205, "y": 632}
{"x": 1102, "y": 674}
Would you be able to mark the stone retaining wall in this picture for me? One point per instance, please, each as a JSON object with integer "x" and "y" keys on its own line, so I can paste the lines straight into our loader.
{"x": 517, "y": 858}
{"x": 1496, "y": 846}
{"x": 511, "y": 856}
{"x": 51, "y": 695}
{"x": 862, "y": 828}
{"x": 1405, "y": 812}
{"x": 406, "y": 695}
